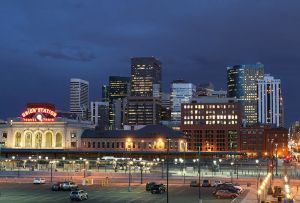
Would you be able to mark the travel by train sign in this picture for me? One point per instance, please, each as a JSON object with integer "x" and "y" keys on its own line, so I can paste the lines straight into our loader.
{"x": 38, "y": 115}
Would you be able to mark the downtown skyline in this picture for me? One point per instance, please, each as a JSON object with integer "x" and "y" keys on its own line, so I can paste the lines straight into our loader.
{"x": 36, "y": 55}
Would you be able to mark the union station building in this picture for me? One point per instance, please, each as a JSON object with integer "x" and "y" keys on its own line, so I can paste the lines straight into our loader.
{"x": 41, "y": 127}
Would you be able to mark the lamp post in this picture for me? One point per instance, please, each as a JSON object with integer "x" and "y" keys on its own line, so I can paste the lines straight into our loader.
{"x": 220, "y": 161}
{"x": 162, "y": 168}
{"x": 257, "y": 162}
{"x": 199, "y": 176}
{"x": 231, "y": 171}
{"x": 168, "y": 149}
{"x": 51, "y": 170}
{"x": 276, "y": 151}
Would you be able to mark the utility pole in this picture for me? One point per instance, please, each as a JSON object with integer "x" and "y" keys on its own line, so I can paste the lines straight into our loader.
{"x": 168, "y": 149}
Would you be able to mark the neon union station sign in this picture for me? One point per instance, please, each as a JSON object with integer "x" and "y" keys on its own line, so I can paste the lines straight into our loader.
{"x": 38, "y": 115}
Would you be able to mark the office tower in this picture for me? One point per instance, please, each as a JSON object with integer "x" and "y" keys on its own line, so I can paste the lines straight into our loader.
{"x": 165, "y": 107}
{"x": 181, "y": 92}
{"x": 219, "y": 93}
{"x": 79, "y": 98}
{"x": 211, "y": 123}
{"x": 105, "y": 93}
{"x": 142, "y": 111}
{"x": 270, "y": 105}
{"x": 100, "y": 115}
{"x": 204, "y": 89}
{"x": 242, "y": 84}
{"x": 119, "y": 88}
{"x": 145, "y": 76}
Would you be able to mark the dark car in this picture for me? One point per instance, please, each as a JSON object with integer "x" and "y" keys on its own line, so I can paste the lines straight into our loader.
{"x": 68, "y": 185}
{"x": 206, "y": 183}
{"x": 158, "y": 189}
{"x": 194, "y": 183}
{"x": 149, "y": 185}
{"x": 57, "y": 186}
{"x": 225, "y": 186}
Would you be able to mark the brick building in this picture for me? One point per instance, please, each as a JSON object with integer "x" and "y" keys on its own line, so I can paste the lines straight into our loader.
{"x": 211, "y": 123}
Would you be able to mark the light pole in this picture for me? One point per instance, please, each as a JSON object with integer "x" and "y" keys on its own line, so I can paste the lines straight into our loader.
{"x": 199, "y": 175}
{"x": 220, "y": 161}
{"x": 51, "y": 170}
{"x": 276, "y": 150}
{"x": 231, "y": 171}
{"x": 257, "y": 162}
{"x": 168, "y": 149}
{"x": 162, "y": 168}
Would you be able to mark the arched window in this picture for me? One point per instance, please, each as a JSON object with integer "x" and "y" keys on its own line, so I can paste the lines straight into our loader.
{"x": 18, "y": 139}
{"x": 38, "y": 140}
{"x": 28, "y": 139}
{"x": 58, "y": 140}
{"x": 48, "y": 139}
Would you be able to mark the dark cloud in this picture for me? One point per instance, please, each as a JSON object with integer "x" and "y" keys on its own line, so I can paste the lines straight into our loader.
{"x": 75, "y": 55}
{"x": 195, "y": 40}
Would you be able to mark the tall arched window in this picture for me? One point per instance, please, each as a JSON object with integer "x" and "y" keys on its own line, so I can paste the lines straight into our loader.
{"x": 48, "y": 139}
{"x": 18, "y": 139}
{"x": 38, "y": 140}
{"x": 58, "y": 140}
{"x": 28, "y": 139}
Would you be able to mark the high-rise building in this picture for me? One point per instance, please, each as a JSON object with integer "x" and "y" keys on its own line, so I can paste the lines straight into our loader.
{"x": 165, "y": 107}
{"x": 205, "y": 89}
{"x": 142, "y": 111}
{"x": 145, "y": 77}
{"x": 211, "y": 123}
{"x": 100, "y": 115}
{"x": 119, "y": 88}
{"x": 105, "y": 93}
{"x": 242, "y": 84}
{"x": 181, "y": 92}
{"x": 270, "y": 102}
{"x": 79, "y": 98}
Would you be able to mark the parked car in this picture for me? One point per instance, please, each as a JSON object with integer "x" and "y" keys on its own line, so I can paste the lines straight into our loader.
{"x": 78, "y": 195}
{"x": 194, "y": 183}
{"x": 68, "y": 185}
{"x": 206, "y": 183}
{"x": 39, "y": 181}
{"x": 228, "y": 187}
{"x": 149, "y": 185}
{"x": 216, "y": 183}
{"x": 226, "y": 194}
{"x": 237, "y": 186}
{"x": 158, "y": 189}
{"x": 57, "y": 186}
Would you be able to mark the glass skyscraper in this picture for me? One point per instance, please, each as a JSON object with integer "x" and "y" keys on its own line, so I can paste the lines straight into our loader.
{"x": 242, "y": 84}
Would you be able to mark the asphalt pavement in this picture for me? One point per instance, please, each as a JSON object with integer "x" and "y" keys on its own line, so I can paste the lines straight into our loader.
{"x": 29, "y": 193}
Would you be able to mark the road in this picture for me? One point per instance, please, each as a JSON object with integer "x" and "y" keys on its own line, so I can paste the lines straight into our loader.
{"x": 29, "y": 193}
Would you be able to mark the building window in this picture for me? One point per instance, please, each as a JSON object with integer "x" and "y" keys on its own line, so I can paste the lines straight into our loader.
{"x": 58, "y": 140}
{"x": 98, "y": 145}
{"x": 112, "y": 145}
{"x": 122, "y": 145}
{"x": 4, "y": 135}
{"x": 73, "y": 144}
{"x": 38, "y": 140}
{"x": 48, "y": 139}
{"x": 103, "y": 145}
{"x": 18, "y": 139}
{"x": 73, "y": 135}
{"x": 28, "y": 139}
{"x": 107, "y": 145}
{"x": 118, "y": 145}
{"x": 94, "y": 144}
{"x": 89, "y": 144}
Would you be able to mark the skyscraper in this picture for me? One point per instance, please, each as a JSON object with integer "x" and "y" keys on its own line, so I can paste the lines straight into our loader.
{"x": 119, "y": 88}
{"x": 79, "y": 98}
{"x": 100, "y": 115}
{"x": 181, "y": 92}
{"x": 105, "y": 93}
{"x": 242, "y": 84}
{"x": 270, "y": 102}
{"x": 145, "y": 75}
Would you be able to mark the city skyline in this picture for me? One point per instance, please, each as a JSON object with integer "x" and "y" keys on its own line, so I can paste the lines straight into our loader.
{"x": 55, "y": 58}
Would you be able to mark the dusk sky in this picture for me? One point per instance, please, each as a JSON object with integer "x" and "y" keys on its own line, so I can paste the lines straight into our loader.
{"x": 46, "y": 42}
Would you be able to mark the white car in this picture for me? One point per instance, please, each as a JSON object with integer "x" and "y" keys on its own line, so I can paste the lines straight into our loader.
{"x": 216, "y": 183}
{"x": 39, "y": 181}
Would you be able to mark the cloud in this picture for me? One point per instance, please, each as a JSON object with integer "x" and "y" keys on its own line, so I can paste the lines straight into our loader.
{"x": 67, "y": 54}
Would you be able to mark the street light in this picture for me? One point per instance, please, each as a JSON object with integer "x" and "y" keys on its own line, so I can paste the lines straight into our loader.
{"x": 231, "y": 171}
{"x": 199, "y": 175}
{"x": 257, "y": 162}
{"x": 162, "y": 168}
{"x": 168, "y": 149}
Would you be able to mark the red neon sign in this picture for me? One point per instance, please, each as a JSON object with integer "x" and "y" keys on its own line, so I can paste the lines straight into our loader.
{"x": 38, "y": 115}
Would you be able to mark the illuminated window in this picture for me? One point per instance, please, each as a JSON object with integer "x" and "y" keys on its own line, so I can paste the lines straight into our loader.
{"x": 18, "y": 139}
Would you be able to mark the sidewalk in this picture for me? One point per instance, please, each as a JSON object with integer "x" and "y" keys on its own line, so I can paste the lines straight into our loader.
{"x": 251, "y": 197}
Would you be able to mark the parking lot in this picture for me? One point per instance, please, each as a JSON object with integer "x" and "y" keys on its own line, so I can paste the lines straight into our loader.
{"x": 29, "y": 193}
